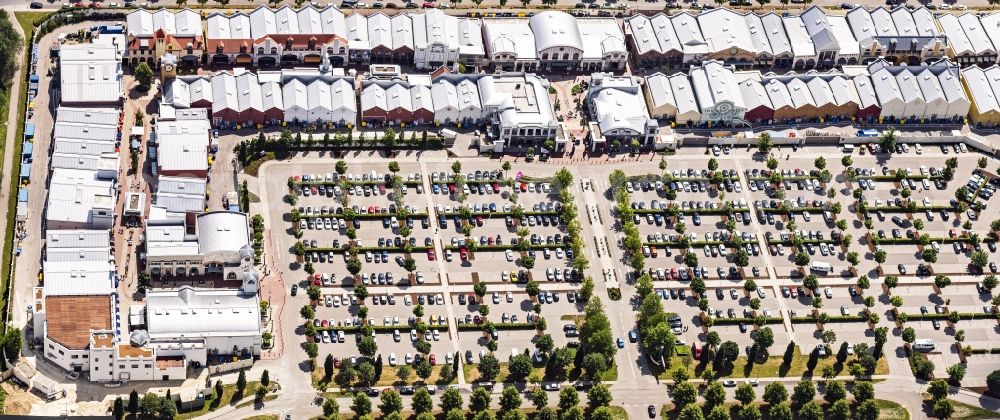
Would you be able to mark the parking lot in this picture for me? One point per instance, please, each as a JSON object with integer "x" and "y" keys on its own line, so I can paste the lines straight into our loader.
{"x": 502, "y": 228}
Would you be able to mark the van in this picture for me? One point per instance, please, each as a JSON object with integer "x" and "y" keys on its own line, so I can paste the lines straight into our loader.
{"x": 923, "y": 345}
{"x": 828, "y": 216}
{"x": 848, "y": 148}
{"x": 821, "y": 267}
{"x": 867, "y": 133}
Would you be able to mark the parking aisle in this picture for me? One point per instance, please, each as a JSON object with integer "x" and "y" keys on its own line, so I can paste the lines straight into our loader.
{"x": 443, "y": 273}
{"x": 769, "y": 265}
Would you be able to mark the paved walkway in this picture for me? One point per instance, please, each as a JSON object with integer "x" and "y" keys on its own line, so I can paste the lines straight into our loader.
{"x": 272, "y": 289}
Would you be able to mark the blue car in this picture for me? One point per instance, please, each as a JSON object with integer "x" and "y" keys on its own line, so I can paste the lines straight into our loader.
{"x": 632, "y": 336}
{"x": 621, "y": 343}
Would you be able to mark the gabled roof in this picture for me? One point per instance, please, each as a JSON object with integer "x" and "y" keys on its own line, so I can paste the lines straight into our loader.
{"x": 802, "y": 44}
{"x": 601, "y": 37}
{"x": 774, "y": 31}
{"x": 725, "y": 29}
{"x": 819, "y": 29}
{"x": 966, "y": 34}
{"x": 984, "y": 86}
{"x": 759, "y": 32}
{"x": 143, "y": 23}
{"x": 755, "y": 94}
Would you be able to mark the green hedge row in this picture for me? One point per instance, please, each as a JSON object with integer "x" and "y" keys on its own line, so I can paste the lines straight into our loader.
{"x": 500, "y": 326}
{"x": 832, "y": 318}
{"x": 369, "y": 216}
{"x": 354, "y": 183}
{"x": 369, "y": 248}
{"x": 747, "y": 321}
{"x": 381, "y": 328}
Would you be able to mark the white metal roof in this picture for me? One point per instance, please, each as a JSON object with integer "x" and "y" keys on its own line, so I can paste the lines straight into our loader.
{"x": 660, "y": 92}
{"x": 434, "y": 28}
{"x": 90, "y": 116}
{"x": 652, "y": 34}
{"x": 78, "y": 278}
{"x": 555, "y": 29}
{"x": 470, "y": 37}
{"x": 755, "y": 94}
{"x": 74, "y": 194}
{"x": 143, "y": 23}
{"x": 222, "y": 231}
{"x": 402, "y": 31}
{"x": 983, "y": 85}
{"x": 725, "y": 29}
{"x": 189, "y": 312}
{"x": 866, "y": 91}
{"x": 844, "y": 91}
{"x": 618, "y": 104}
{"x": 688, "y": 31}
{"x": 779, "y": 94}
{"x": 819, "y": 29}
{"x": 845, "y": 38}
{"x": 77, "y": 238}
{"x": 373, "y": 96}
{"x": 512, "y": 36}
{"x": 802, "y": 44}
{"x": 759, "y": 32}
{"x": 90, "y": 73}
{"x": 235, "y": 26}
{"x": 714, "y": 83}
{"x": 774, "y": 30}
{"x": 183, "y": 145}
{"x": 601, "y": 37}
{"x": 966, "y": 34}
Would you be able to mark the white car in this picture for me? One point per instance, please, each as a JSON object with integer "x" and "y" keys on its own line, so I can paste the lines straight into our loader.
{"x": 510, "y": 255}
{"x": 392, "y": 359}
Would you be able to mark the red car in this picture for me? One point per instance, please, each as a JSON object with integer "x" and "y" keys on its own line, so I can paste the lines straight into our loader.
{"x": 317, "y": 280}
{"x": 496, "y": 188}
{"x": 430, "y": 255}
{"x": 451, "y": 187}
{"x": 479, "y": 220}
{"x": 336, "y": 362}
{"x": 428, "y": 5}
{"x": 524, "y": 187}
{"x": 464, "y": 254}
{"x": 93, "y": 5}
{"x": 432, "y": 359}
{"x": 323, "y": 323}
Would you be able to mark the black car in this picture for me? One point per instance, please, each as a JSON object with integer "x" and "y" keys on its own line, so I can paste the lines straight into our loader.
{"x": 372, "y": 392}
{"x": 36, "y": 5}
{"x": 652, "y": 411}
{"x": 406, "y": 390}
{"x": 295, "y": 289}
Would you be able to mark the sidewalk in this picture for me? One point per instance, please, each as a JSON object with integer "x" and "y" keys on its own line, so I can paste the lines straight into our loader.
{"x": 272, "y": 289}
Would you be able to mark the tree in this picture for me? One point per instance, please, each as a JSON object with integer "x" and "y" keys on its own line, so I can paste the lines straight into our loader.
{"x": 714, "y": 395}
{"x": 941, "y": 281}
{"x": 341, "y": 167}
{"x": 539, "y": 398}
{"x": 745, "y": 394}
{"x": 568, "y": 398}
{"x": 979, "y": 259}
{"x": 764, "y": 143}
{"x": 119, "y": 409}
{"x": 764, "y": 338}
{"x": 520, "y": 366}
{"x": 241, "y": 382}
{"x": 144, "y": 76}
{"x": 780, "y": 412}
{"x": 366, "y": 373}
{"x": 510, "y": 399}
{"x": 451, "y": 399}
{"x": 956, "y": 373}
{"x": 684, "y": 393}
{"x": 361, "y": 405}
{"x": 133, "y": 401}
{"x": 803, "y": 392}
{"x": 840, "y": 410}
{"x": 390, "y": 402}
{"x": 489, "y": 368}
{"x": 480, "y": 400}
{"x": 888, "y": 140}
{"x": 691, "y": 412}
{"x": 943, "y": 409}
{"x": 598, "y": 396}
{"x": 834, "y": 391}
{"x": 801, "y": 259}
{"x": 750, "y": 412}
{"x": 331, "y": 408}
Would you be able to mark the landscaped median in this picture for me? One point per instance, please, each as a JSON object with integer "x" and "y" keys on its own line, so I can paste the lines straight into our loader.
{"x": 500, "y": 326}
{"x": 906, "y": 209}
{"x": 496, "y": 248}
{"x": 363, "y": 216}
{"x": 497, "y": 214}
{"x": 342, "y": 182}
{"x": 746, "y": 321}
{"x": 830, "y": 318}
{"x": 363, "y": 249}
{"x": 380, "y": 328}
{"x": 797, "y": 365}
